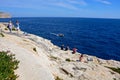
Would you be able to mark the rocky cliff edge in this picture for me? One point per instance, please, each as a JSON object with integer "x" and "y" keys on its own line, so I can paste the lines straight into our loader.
{"x": 41, "y": 60}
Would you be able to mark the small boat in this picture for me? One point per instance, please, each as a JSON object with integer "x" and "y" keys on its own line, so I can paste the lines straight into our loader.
{"x": 60, "y": 35}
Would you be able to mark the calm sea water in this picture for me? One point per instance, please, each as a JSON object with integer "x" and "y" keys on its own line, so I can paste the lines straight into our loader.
{"x": 97, "y": 37}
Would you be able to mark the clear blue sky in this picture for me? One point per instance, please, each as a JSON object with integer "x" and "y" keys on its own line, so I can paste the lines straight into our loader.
{"x": 62, "y": 8}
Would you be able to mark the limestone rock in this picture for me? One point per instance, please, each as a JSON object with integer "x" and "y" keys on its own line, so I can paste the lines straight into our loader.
{"x": 49, "y": 62}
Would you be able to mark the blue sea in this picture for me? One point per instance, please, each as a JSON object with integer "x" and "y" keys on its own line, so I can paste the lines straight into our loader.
{"x": 93, "y": 36}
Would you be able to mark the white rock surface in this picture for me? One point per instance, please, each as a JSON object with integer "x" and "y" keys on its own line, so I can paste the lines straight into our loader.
{"x": 49, "y": 62}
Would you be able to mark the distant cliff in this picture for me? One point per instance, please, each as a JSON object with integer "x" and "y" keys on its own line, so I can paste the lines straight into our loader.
{"x": 4, "y": 15}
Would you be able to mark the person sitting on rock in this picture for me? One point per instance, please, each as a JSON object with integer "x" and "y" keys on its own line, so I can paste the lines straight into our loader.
{"x": 81, "y": 58}
{"x": 66, "y": 48}
{"x": 62, "y": 47}
{"x": 74, "y": 50}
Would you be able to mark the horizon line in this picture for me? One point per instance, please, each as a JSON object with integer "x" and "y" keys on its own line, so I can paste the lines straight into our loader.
{"x": 61, "y": 17}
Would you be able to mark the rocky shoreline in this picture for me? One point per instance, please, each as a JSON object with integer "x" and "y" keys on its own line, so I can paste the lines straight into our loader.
{"x": 41, "y": 60}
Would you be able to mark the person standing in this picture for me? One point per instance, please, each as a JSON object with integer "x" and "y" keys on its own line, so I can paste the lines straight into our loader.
{"x": 18, "y": 26}
{"x": 10, "y": 26}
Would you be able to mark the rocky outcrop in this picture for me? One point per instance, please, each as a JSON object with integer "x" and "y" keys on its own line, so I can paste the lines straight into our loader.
{"x": 41, "y": 60}
{"x": 4, "y": 15}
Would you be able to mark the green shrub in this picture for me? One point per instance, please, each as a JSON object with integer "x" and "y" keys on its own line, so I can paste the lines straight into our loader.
{"x": 57, "y": 78}
{"x": 114, "y": 78}
{"x": 6, "y": 28}
{"x": 14, "y": 29}
{"x": 8, "y": 64}
{"x": 2, "y": 35}
{"x": 53, "y": 57}
{"x": 68, "y": 60}
{"x": 34, "y": 49}
{"x": 115, "y": 69}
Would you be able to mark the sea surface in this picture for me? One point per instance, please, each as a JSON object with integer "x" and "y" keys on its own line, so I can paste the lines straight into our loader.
{"x": 93, "y": 36}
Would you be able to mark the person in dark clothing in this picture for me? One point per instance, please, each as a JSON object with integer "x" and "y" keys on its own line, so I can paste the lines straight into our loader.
{"x": 62, "y": 47}
{"x": 66, "y": 48}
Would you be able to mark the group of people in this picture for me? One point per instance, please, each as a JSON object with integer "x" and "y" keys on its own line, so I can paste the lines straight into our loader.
{"x": 64, "y": 48}
{"x": 74, "y": 50}
{"x": 10, "y": 26}
{"x": 67, "y": 48}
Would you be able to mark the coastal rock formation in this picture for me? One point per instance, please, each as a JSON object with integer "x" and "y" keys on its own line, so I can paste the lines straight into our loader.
{"x": 41, "y": 60}
{"x": 4, "y": 15}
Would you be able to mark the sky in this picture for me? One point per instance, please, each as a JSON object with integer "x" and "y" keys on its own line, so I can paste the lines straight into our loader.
{"x": 62, "y": 8}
